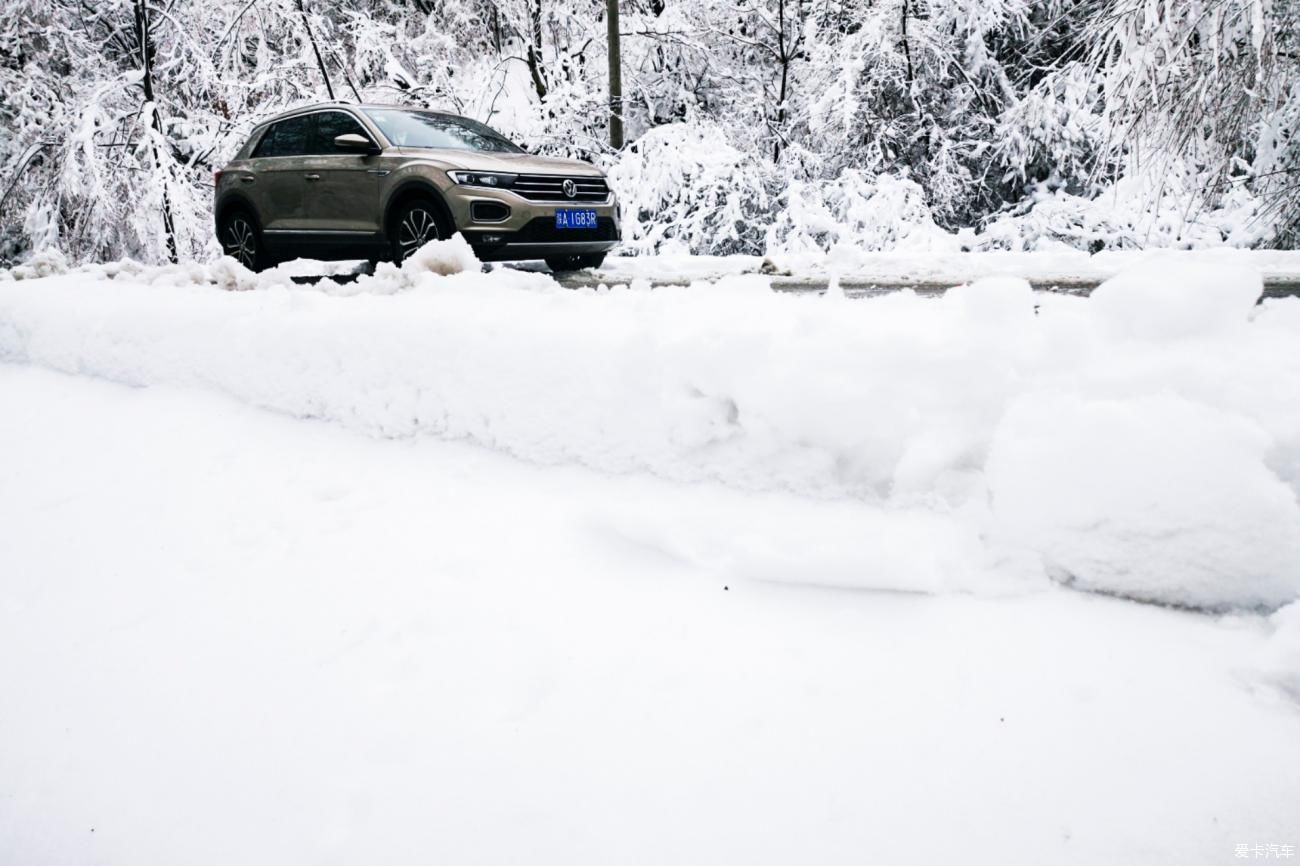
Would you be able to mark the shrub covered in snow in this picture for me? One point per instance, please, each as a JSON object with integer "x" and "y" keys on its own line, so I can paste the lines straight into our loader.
{"x": 685, "y": 187}
{"x": 1134, "y": 213}
{"x": 854, "y": 213}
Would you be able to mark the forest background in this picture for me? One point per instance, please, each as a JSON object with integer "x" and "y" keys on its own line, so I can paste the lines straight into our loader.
{"x": 752, "y": 126}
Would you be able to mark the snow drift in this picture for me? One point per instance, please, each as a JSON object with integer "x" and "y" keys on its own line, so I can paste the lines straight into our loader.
{"x": 1144, "y": 442}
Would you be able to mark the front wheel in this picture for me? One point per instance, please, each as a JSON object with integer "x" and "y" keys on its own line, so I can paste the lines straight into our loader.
{"x": 241, "y": 240}
{"x": 414, "y": 225}
{"x": 564, "y": 264}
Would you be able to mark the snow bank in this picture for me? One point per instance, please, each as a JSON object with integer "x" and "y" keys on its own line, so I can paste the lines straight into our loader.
{"x": 225, "y": 272}
{"x": 1145, "y": 442}
{"x": 1154, "y": 497}
{"x": 368, "y": 634}
{"x": 46, "y": 262}
{"x": 1281, "y": 662}
{"x": 1143, "y": 303}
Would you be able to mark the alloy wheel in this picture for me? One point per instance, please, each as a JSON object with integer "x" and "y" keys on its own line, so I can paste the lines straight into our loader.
{"x": 418, "y": 228}
{"x": 241, "y": 242}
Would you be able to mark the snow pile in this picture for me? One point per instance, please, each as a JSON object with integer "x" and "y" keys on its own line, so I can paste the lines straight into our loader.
{"x": 229, "y": 274}
{"x": 1281, "y": 662}
{"x": 1143, "y": 303}
{"x": 1154, "y": 497}
{"x": 779, "y": 539}
{"x": 46, "y": 262}
{"x": 450, "y": 258}
{"x": 1144, "y": 443}
{"x": 444, "y": 258}
{"x": 225, "y": 272}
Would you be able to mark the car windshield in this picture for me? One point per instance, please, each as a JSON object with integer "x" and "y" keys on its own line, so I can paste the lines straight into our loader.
{"x": 427, "y": 129}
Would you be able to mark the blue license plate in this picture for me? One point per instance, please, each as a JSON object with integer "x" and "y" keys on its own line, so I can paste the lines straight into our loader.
{"x": 574, "y": 218}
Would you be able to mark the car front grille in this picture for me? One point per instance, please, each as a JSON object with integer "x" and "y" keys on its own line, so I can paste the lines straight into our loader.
{"x": 550, "y": 187}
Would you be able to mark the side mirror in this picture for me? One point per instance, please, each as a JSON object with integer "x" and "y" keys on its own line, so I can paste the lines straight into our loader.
{"x": 353, "y": 143}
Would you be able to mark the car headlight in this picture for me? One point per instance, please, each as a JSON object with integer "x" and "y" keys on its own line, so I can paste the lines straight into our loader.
{"x": 482, "y": 178}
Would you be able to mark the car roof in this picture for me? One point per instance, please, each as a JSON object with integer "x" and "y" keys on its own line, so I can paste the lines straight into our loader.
{"x": 323, "y": 106}
{"x": 261, "y": 126}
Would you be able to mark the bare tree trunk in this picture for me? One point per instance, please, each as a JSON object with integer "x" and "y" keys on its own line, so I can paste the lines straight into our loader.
{"x": 324, "y": 73}
{"x": 352, "y": 85}
{"x": 911, "y": 84}
{"x": 29, "y": 158}
{"x": 907, "y": 46}
{"x": 615, "y": 79}
{"x": 535, "y": 49}
{"x": 784, "y": 57}
{"x": 145, "y": 40}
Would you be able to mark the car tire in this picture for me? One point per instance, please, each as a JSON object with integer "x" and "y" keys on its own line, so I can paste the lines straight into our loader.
{"x": 566, "y": 264}
{"x": 414, "y": 224}
{"x": 241, "y": 239}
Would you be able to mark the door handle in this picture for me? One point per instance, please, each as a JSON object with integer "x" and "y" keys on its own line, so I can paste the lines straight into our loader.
{"x": 312, "y": 176}
{"x": 246, "y": 178}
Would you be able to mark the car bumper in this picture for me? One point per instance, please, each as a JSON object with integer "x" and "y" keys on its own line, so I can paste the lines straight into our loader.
{"x": 529, "y": 231}
{"x": 539, "y": 239}
{"x": 514, "y": 252}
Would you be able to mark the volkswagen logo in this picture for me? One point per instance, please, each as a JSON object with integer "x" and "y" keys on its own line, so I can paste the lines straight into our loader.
{"x": 569, "y": 187}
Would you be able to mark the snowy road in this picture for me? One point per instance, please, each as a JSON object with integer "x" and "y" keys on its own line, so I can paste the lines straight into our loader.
{"x": 875, "y": 274}
{"x": 853, "y": 287}
{"x": 932, "y": 272}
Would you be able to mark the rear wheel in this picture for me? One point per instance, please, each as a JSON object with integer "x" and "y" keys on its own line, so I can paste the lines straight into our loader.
{"x": 414, "y": 225}
{"x": 242, "y": 241}
{"x": 564, "y": 264}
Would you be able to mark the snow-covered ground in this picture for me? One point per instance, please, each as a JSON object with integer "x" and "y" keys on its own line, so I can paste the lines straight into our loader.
{"x": 510, "y": 573}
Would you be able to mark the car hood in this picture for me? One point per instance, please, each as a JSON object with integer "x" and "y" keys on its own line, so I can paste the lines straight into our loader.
{"x": 512, "y": 163}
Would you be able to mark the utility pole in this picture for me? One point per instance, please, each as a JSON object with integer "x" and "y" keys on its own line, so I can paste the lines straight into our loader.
{"x": 615, "y": 79}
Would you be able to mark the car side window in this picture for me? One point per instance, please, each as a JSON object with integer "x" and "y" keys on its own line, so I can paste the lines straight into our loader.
{"x": 286, "y": 138}
{"x": 330, "y": 124}
{"x": 250, "y": 144}
{"x": 266, "y": 147}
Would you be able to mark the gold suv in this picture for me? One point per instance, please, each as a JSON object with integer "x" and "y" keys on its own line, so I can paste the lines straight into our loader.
{"x": 342, "y": 181}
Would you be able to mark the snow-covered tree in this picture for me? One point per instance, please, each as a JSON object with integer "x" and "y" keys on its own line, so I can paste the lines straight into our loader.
{"x": 749, "y": 123}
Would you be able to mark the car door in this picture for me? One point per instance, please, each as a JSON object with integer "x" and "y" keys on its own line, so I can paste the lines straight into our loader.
{"x": 280, "y": 187}
{"x": 343, "y": 186}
